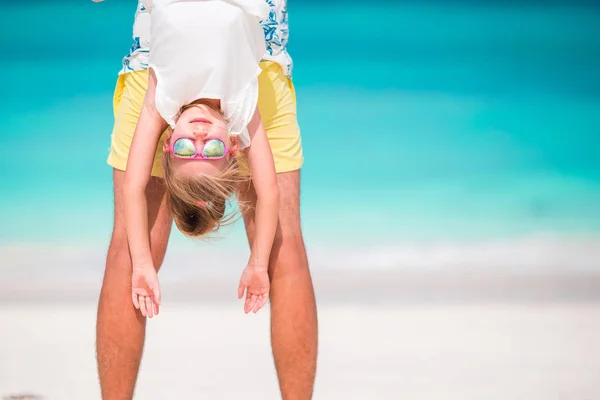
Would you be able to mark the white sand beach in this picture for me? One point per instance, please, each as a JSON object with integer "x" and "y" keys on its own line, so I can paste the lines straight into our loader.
{"x": 465, "y": 343}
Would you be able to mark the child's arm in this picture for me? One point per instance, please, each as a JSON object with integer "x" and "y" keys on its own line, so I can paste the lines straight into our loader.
{"x": 255, "y": 279}
{"x": 264, "y": 179}
{"x": 139, "y": 166}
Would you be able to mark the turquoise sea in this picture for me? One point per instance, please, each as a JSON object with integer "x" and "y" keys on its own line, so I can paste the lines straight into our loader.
{"x": 443, "y": 123}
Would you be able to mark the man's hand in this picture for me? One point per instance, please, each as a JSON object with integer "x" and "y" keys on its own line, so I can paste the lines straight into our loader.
{"x": 145, "y": 290}
{"x": 255, "y": 281}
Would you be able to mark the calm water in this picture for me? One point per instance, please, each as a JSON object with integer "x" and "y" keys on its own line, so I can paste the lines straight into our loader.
{"x": 421, "y": 121}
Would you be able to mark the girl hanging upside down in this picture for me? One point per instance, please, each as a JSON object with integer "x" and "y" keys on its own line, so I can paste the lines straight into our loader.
{"x": 202, "y": 88}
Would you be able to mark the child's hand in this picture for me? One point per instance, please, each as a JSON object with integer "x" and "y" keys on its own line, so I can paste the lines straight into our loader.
{"x": 145, "y": 290}
{"x": 255, "y": 281}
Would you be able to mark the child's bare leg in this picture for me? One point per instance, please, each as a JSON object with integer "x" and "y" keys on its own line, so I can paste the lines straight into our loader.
{"x": 120, "y": 329}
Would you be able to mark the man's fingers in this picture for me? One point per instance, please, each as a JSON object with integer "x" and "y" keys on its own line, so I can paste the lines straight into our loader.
{"x": 241, "y": 288}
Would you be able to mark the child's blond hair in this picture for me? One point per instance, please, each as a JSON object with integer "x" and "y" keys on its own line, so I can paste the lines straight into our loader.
{"x": 199, "y": 202}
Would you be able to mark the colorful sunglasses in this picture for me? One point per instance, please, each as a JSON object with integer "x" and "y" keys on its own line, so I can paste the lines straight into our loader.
{"x": 213, "y": 149}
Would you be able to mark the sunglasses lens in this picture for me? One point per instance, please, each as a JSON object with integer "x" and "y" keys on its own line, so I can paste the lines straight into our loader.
{"x": 184, "y": 148}
{"x": 213, "y": 149}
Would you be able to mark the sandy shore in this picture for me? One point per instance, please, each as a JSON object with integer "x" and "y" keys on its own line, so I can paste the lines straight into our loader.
{"x": 490, "y": 350}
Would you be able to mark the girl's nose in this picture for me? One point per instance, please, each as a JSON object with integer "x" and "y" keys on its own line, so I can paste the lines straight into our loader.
{"x": 201, "y": 132}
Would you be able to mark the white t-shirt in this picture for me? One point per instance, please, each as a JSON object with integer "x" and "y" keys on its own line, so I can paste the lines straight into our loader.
{"x": 275, "y": 27}
{"x": 208, "y": 49}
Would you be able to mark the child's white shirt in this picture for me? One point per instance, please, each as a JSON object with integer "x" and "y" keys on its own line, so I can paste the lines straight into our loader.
{"x": 208, "y": 49}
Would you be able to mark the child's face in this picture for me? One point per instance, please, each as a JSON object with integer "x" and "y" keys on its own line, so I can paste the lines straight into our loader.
{"x": 199, "y": 123}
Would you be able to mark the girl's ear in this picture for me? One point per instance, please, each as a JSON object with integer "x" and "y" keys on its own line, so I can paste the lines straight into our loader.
{"x": 234, "y": 145}
{"x": 167, "y": 143}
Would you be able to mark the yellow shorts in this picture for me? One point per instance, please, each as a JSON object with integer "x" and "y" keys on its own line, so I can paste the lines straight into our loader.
{"x": 276, "y": 103}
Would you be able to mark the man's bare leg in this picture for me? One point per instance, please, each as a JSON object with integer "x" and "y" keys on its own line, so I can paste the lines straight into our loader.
{"x": 120, "y": 329}
{"x": 293, "y": 308}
